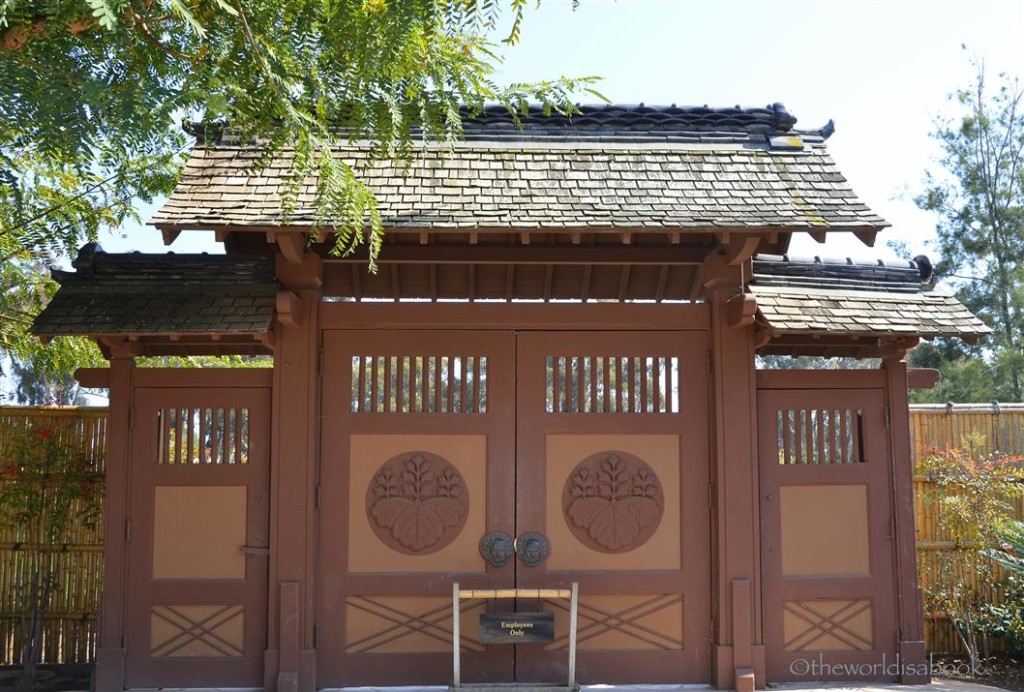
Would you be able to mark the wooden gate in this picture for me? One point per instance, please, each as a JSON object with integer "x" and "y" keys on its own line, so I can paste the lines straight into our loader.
{"x": 826, "y": 529}
{"x": 442, "y": 449}
{"x": 198, "y": 537}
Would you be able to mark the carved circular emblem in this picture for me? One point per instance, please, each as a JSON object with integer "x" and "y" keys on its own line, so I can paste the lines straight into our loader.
{"x": 417, "y": 503}
{"x": 613, "y": 502}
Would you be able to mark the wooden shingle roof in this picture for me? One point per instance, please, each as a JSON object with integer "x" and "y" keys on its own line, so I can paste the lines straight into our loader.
{"x": 616, "y": 167}
{"x": 802, "y": 300}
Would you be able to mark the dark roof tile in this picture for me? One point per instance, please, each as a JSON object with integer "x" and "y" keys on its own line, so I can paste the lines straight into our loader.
{"x": 154, "y": 294}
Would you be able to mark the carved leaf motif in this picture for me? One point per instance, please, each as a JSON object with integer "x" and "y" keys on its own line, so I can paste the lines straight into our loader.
{"x": 613, "y": 501}
{"x": 646, "y": 510}
{"x": 449, "y": 511}
{"x": 418, "y": 503}
{"x": 386, "y": 510}
{"x": 585, "y": 510}
{"x": 614, "y": 528}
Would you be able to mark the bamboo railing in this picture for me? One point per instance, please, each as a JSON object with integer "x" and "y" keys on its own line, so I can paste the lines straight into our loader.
{"x": 988, "y": 429}
{"x": 70, "y": 628}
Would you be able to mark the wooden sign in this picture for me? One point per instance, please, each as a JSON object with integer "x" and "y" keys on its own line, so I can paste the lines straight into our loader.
{"x": 517, "y": 628}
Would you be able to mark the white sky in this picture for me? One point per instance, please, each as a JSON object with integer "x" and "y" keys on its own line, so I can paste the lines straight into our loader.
{"x": 881, "y": 69}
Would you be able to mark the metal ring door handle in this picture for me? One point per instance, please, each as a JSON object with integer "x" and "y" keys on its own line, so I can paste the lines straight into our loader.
{"x": 532, "y": 548}
{"x": 497, "y": 548}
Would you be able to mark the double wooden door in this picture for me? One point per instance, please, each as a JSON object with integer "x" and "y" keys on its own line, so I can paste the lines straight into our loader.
{"x": 441, "y": 449}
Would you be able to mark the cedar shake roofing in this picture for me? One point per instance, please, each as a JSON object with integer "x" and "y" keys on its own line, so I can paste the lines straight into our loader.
{"x": 850, "y": 298}
{"x": 695, "y": 169}
{"x": 160, "y": 294}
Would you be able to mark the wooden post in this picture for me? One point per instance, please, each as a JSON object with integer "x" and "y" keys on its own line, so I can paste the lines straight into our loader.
{"x": 290, "y": 663}
{"x": 574, "y": 609}
{"x": 737, "y": 648}
{"x": 110, "y": 654}
{"x": 911, "y": 649}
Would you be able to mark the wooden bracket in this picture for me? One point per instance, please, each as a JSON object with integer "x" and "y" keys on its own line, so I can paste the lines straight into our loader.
{"x": 740, "y": 311}
{"x": 291, "y": 245}
{"x": 290, "y": 311}
{"x": 741, "y": 248}
{"x": 898, "y": 347}
{"x": 866, "y": 236}
{"x": 117, "y": 347}
{"x": 170, "y": 235}
{"x": 762, "y": 338}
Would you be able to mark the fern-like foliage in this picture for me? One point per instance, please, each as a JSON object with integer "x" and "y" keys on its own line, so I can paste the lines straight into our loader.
{"x": 92, "y": 93}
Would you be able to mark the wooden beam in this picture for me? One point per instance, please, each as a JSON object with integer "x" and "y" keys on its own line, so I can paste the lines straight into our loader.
{"x": 533, "y": 254}
{"x": 818, "y": 234}
{"x": 662, "y": 283}
{"x": 396, "y": 289}
{"x": 624, "y": 282}
{"x": 93, "y": 378}
{"x": 289, "y": 309}
{"x": 697, "y": 284}
{"x": 740, "y": 311}
{"x": 922, "y": 378}
{"x": 357, "y": 285}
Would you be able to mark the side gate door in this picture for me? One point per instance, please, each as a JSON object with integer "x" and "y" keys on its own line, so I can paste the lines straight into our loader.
{"x": 826, "y": 523}
{"x": 198, "y": 537}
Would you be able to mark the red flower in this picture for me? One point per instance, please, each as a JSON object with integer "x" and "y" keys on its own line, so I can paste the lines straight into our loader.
{"x": 44, "y": 433}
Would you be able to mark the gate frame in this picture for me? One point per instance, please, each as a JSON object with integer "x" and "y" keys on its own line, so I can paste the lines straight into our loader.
{"x": 737, "y": 651}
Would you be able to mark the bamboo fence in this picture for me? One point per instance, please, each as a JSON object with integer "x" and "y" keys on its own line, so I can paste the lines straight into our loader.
{"x": 986, "y": 429}
{"x": 70, "y": 629}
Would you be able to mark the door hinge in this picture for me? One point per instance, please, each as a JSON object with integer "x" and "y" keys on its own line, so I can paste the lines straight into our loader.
{"x": 711, "y": 496}
{"x": 127, "y": 530}
{"x": 888, "y": 418}
{"x": 316, "y": 497}
{"x": 316, "y": 634}
{"x": 709, "y": 362}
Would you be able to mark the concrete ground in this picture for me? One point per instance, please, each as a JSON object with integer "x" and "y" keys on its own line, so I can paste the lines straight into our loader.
{"x": 936, "y": 686}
